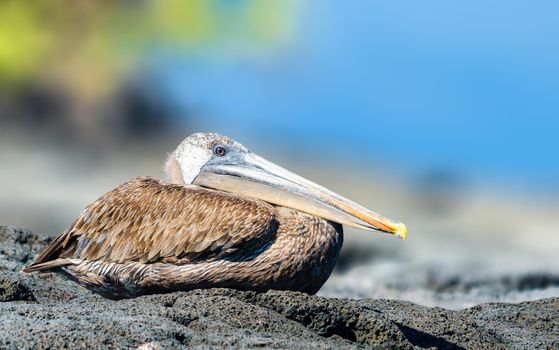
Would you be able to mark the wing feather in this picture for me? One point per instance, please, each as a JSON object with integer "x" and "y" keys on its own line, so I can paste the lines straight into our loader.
{"x": 147, "y": 220}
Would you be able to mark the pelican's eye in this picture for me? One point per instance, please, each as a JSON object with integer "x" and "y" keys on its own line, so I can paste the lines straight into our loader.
{"x": 220, "y": 151}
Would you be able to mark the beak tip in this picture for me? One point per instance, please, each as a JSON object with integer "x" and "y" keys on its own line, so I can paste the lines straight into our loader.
{"x": 401, "y": 231}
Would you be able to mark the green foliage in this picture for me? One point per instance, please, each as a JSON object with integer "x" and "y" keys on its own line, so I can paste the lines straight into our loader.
{"x": 95, "y": 42}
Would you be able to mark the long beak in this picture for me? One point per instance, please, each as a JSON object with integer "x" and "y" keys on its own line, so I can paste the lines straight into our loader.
{"x": 253, "y": 176}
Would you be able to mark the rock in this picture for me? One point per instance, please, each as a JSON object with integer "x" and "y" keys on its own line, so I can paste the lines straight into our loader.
{"x": 19, "y": 246}
{"x": 48, "y": 311}
{"x": 12, "y": 289}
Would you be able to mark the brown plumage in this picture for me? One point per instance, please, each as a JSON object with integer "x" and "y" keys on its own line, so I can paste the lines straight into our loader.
{"x": 149, "y": 236}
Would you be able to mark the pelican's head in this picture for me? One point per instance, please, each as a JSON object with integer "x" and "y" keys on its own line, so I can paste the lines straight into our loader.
{"x": 215, "y": 161}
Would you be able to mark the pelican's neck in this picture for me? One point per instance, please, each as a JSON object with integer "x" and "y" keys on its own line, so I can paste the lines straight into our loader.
{"x": 173, "y": 171}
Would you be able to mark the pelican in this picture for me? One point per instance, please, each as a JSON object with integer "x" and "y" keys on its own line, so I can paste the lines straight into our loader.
{"x": 226, "y": 217}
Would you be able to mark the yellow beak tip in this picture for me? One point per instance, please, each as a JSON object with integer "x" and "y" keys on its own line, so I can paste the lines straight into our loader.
{"x": 401, "y": 230}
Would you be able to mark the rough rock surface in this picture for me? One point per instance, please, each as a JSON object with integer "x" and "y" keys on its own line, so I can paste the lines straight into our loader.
{"x": 48, "y": 311}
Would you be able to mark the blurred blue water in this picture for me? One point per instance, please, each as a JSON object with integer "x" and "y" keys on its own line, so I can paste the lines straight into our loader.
{"x": 472, "y": 86}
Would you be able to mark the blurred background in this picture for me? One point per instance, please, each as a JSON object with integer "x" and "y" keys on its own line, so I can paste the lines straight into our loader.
{"x": 444, "y": 116}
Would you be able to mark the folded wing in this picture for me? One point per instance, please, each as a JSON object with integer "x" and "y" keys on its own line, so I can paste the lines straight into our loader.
{"x": 148, "y": 221}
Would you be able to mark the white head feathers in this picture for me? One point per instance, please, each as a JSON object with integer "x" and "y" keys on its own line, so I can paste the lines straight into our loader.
{"x": 185, "y": 163}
